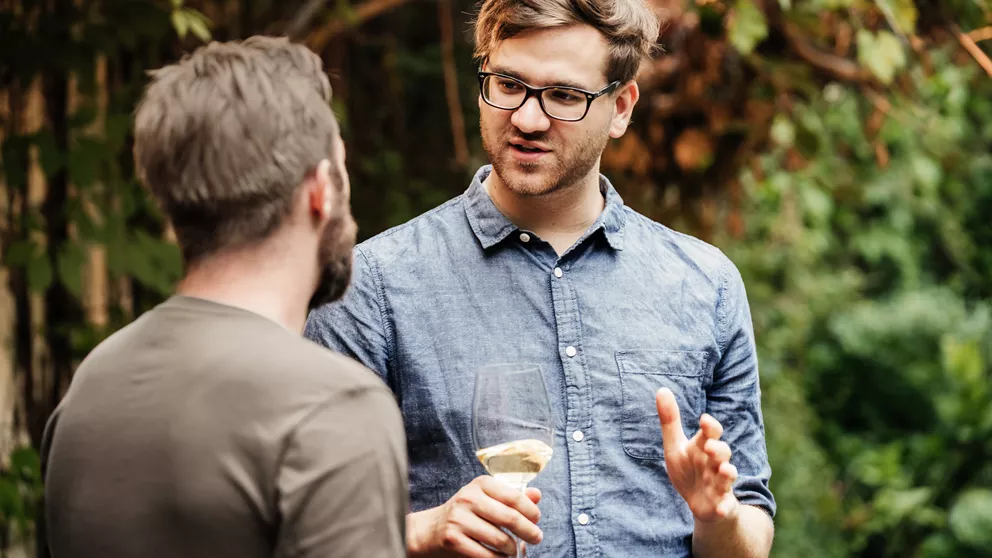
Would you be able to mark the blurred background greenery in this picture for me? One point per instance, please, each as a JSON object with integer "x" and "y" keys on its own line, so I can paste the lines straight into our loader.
{"x": 840, "y": 151}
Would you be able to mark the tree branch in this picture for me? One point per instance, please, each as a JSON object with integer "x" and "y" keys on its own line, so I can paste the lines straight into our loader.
{"x": 451, "y": 82}
{"x": 303, "y": 18}
{"x": 982, "y": 34}
{"x": 368, "y": 10}
{"x": 969, "y": 44}
{"x": 837, "y": 66}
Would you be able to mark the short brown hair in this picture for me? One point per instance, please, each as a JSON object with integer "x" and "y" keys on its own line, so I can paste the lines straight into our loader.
{"x": 630, "y": 26}
{"x": 224, "y": 137}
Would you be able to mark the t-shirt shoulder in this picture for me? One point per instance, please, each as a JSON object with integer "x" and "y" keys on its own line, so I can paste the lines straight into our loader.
{"x": 227, "y": 341}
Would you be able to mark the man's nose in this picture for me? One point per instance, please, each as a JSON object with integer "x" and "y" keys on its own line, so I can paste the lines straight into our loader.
{"x": 530, "y": 118}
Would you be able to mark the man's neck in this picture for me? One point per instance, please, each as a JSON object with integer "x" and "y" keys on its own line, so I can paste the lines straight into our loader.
{"x": 560, "y": 217}
{"x": 255, "y": 280}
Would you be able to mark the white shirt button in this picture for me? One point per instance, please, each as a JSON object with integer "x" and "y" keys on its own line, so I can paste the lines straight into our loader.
{"x": 524, "y": 237}
{"x": 578, "y": 436}
{"x": 570, "y": 351}
{"x": 558, "y": 272}
{"x": 583, "y": 519}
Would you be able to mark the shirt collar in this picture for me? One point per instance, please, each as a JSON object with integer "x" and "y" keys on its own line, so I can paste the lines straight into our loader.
{"x": 492, "y": 227}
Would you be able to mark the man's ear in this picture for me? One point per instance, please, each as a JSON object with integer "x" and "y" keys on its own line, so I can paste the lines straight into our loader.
{"x": 625, "y": 101}
{"x": 320, "y": 196}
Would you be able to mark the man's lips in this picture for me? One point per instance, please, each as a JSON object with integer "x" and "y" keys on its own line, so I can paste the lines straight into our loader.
{"x": 525, "y": 146}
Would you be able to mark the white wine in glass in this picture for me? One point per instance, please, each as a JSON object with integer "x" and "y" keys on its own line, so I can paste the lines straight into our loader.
{"x": 512, "y": 424}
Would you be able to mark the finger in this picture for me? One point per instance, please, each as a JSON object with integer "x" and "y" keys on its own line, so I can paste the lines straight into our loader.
{"x": 460, "y": 544}
{"x": 699, "y": 458}
{"x": 718, "y": 451}
{"x": 672, "y": 435}
{"x": 726, "y": 476}
{"x": 696, "y": 450}
{"x": 478, "y": 530}
{"x": 504, "y": 516}
{"x": 510, "y": 497}
{"x": 535, "y": 495}
{"x": 710, "y": 426}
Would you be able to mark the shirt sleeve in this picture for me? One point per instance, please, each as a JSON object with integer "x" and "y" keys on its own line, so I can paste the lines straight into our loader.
{"x": 342, "y": 481}
{"x": 355, "y": 325}
{"x": 734, "y": 399}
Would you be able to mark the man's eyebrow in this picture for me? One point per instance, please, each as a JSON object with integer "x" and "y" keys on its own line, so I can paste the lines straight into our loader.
{"x": 555, "y": 83}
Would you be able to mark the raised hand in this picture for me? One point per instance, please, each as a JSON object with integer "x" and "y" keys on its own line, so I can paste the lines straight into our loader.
{"x": 700, "y": 468}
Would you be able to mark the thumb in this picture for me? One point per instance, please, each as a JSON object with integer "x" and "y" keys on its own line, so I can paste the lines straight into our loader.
{"x": 534, "y": 494}
{"x": 671, "y": 421}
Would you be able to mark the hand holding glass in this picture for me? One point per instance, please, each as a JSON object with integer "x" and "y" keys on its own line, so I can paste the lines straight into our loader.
{"x": 512, "y": 423}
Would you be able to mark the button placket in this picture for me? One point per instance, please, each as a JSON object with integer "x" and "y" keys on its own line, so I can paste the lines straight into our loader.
{"x": 577, "y": 412}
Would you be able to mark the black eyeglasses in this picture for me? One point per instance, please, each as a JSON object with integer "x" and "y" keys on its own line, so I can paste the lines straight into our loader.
{"x": 569, "y": 104}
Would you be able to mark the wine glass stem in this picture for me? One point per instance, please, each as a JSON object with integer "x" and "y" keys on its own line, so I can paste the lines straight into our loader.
{"x": 516, "y": 540}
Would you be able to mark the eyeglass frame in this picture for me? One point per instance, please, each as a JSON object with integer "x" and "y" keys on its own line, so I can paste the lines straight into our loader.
{"x": 529, "y": 91}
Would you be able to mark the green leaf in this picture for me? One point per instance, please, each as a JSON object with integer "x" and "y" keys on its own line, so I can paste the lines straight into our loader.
{"x": 117, "y": 126}
{"x": 785, "y": 4}
{"x": 50, "y": 157}
{"x": 927, "y": 172}
{"x": 14, "y": 152}
{"x": 971, "y": 518}
{"x": 18, "y": 253}
{"x": 71, "y": 259}
{"x": 899, "y": 504}
{"x": 882, "y": 54}
{"x": 199, "y": 25}
{"x": 748, "y": 26}
{"x": 180, "y": 21}
{"x": 904, "y": 12}
{"x": 26, "y": 464}
{"x": 834, "y": 4}
{"x": 154, "y": 262}
{"x": 39, "y": 273}
{"x": 84, "y": 115}
{"x": 84, "y": 162}
{"x": 817, "y": 204}
{"x": 939, "y": 545}
{"x": 11, "y": 504}
{"x": 963, "y": 361}
{"x": 783, "y": 131}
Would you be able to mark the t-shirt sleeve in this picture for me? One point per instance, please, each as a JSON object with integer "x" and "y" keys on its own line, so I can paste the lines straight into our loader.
{"x": 342, "y": 482}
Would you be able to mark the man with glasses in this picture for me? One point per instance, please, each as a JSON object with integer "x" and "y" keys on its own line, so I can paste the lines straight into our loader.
{"x": 540, "y": 262}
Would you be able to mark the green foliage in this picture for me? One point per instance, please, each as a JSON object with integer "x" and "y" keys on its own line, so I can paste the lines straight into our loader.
{"x": 748, "y": 27}
{"x": 867, "y": 252}
{"x": 21, "y": 492}
{"x": 882, "y": 53}
{"x": 870, "y": 288}
{"x": 971, "y": 520}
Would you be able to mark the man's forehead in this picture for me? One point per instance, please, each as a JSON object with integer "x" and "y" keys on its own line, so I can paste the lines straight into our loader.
{"x": 573, "y": 55}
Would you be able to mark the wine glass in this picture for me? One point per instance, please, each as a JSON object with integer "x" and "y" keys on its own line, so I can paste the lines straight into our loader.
{"x": 512, "y": 424}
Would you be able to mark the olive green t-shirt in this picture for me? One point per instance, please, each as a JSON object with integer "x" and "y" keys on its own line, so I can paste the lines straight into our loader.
{"x": 204, "y": 430}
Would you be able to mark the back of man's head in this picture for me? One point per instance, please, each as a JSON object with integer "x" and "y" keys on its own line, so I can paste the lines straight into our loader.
{"x": 224, "y": 138}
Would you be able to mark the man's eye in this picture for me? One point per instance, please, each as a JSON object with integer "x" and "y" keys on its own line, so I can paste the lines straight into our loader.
{"x": 564, "y": 96}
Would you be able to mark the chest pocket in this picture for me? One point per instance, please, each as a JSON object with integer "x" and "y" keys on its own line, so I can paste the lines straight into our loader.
{"x": 642, "y": 373}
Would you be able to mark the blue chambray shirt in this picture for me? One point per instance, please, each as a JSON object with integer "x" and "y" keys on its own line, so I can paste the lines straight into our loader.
{"x": 632, "y": 306}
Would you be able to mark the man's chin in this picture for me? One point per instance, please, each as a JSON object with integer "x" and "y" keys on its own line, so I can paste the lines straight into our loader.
{"x": 525, "y": 179}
